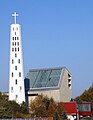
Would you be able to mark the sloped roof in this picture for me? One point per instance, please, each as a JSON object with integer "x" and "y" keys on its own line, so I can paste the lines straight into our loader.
{"x": 43, "y": 78}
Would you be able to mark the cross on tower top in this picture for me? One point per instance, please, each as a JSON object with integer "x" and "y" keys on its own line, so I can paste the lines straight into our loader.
{"x": 15, "y": 15}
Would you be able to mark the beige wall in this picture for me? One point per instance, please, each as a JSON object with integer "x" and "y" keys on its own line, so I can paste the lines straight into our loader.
{"x": 65, "y": 91}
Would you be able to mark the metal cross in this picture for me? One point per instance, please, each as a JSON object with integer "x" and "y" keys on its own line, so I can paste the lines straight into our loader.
{"x": 15, "y": 15}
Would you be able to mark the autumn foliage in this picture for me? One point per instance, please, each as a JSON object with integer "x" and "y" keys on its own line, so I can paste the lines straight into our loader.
{"x": 42, "y": 106}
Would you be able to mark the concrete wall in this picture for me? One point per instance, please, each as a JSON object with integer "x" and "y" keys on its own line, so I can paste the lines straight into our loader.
{"x": 61, "y": 94}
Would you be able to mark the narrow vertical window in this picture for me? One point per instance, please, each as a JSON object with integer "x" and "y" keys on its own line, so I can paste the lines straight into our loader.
{"x": 20, "y": 88}
{"x": 12, "y": 61}
{"x": 16, "y": 96}
{"x": 12, "y": 74}
{"x": 12, "y": 49}
{"x": 13, "y": 28}
{"x": 15, "y": 55}
{"x": 17, "y": 38}
{"x": 15, "y": 33}
{"x": 11, "y": 89}
{"x": 18, "y": 49}
{"x": 18, "y": 60}
{"x": 13, "y": 38}
{"x": 15, "y": 49}
{"x": 15, "y": 43}
{"x": 18, "y": 43}
{"x": 17, "y": 28}
{"x": 16, "y": 81}
{"x": 19, "y": 74}
{"x": 15, "y": 67}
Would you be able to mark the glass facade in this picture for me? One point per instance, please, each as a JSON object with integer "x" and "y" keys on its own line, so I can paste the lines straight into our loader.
{"x": 43, "y": 78}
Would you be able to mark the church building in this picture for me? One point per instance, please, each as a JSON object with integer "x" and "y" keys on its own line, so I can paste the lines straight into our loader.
{"x": 55, "y": 83}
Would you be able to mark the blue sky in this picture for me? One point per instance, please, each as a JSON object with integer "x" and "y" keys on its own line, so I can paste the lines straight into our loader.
{"x": 55, "y": 33}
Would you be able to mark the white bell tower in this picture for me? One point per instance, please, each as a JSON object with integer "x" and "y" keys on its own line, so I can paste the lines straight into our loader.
{"x": 16, "y": 74}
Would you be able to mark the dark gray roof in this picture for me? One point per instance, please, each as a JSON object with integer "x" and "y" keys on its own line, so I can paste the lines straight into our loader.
{"x": 43, "y": 78}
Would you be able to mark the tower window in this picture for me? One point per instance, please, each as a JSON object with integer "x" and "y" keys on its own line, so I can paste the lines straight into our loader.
{"x": 19, "y": 74}
{"x": 18, "y": 49}
{"x": 15, "y": 55}
{"x": 13, "y": 28}
{"x": 12, "y": 74}
{"x": 15, "y": 49}
{"x": 18, "y": 43}
{"x": 15, "y": 33}
{"x": 18, "y": 60}
{"x": 15, "y": 67}
{"x": 12, "y": 61}
{"x": 13, "y": 43}
{"x": 16, "y": 96}
{"x": 13, "y": 38}
{"x": 16, "y": 81}
{"x": 12, "y": 49}
{"x": 17, "y": 28}
{"x": 17, "y": 38}
{"x": 11, "y": 89}
{"x": 20, "y": 88}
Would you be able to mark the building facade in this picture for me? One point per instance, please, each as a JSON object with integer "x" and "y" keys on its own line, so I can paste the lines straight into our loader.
{"x": 16, "y": 74}
{"x": 53, "y": 82}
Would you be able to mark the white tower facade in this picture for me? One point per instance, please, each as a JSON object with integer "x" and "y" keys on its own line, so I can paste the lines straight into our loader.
{"x": 16, "y": 75}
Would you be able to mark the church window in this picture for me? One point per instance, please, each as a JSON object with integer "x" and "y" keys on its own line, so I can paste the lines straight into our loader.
{"x": 13, "y": 28}
{"x": 16, "y": 81}
{"x": 15, "y": 33}
{"x": 12, "y": 61}
{"x": 13, "y": 38}
{"x": 11, "y": 89}
{"x": 18, "y": 60}
{"x": 15, "y": 67}
{"x": 18, "y": 49}
{"x": 20, "y": 88}
{"x": 12, "y": 74}
{"x": 18, "y": 43}
{"x": 16, "y": 96}
{"x": 19, "y": 74}
{"x": 13, "y": 43}
{"x": 15, "y": 55}
{"x": 15, "y": 49}
{"x": 12, "y": 49}
{"x": 17, "y": 28}
{"x": 17, "y": 38}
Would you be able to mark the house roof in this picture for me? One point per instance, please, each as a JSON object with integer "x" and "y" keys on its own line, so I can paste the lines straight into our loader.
{"x": 43, "y": 78}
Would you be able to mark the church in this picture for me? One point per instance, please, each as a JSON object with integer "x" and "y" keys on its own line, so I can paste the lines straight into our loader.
{"x": 54, "y": 82}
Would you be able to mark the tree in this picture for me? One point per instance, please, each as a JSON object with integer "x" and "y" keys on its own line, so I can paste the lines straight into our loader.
{"x": 42, "y": 106}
